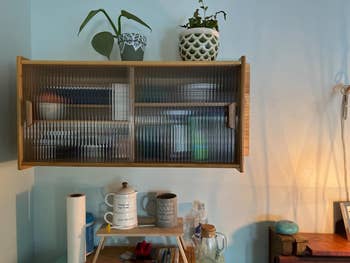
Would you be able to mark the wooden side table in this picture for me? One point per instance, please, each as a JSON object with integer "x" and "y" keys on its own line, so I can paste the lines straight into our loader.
{"x": 308, "y": 247}
{"x": 146, "y": 231}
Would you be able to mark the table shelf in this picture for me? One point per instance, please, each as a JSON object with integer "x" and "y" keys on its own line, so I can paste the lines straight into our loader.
{"x": 146, "y": 228}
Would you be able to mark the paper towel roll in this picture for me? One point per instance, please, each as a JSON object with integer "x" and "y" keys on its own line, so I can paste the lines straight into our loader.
{"x": 76, "y": 228}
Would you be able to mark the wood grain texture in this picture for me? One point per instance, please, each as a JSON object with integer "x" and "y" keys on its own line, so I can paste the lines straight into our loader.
{"x": 143, "y": 231}
{"x": 308, "y": 247}
{"x": 111, "y": 255}
{"x": 326, "y": 244}
{"x": 279, "y": 245}
{"x": 19, "y": 114}
{"x": 242, "y": 114}
{"x": 131, "y": 164}
{"x": 134, "y": 63}
{"x": 294, "y": 259}
{"x": 246, "y": 116}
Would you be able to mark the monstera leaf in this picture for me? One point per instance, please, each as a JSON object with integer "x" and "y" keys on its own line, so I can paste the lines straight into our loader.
{"x": 103, "y": 43}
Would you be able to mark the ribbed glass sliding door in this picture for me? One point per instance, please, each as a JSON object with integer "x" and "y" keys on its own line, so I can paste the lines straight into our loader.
{"x": 182, "y": 115}
{"x": 76, "y": 114}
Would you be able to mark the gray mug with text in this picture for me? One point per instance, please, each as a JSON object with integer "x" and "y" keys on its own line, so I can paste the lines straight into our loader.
{"x": 166, "y": 210}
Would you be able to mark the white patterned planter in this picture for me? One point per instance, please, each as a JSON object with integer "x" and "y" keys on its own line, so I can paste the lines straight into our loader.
{"x": 199, "y": 44}
{"x": 132, "y": 46}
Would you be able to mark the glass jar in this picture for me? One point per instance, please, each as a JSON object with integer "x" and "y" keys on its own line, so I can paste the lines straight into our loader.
{"x": 211, "y": 245}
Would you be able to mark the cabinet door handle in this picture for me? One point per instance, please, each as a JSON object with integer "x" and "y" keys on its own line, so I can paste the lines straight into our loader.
{"x": 231, "y": 120}
{"x": 29, "y": 113}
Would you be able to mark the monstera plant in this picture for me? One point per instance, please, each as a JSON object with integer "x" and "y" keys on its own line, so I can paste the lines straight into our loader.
{"x": 132, "y": 45}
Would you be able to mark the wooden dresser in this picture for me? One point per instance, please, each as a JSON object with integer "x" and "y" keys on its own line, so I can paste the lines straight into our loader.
{"x": 308, "y": 247}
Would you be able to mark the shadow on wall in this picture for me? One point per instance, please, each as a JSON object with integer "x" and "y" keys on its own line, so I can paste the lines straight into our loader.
{"x": 8, "y": 112}
{"x": 250, "y": 243}
{"x": 24, "y": 228}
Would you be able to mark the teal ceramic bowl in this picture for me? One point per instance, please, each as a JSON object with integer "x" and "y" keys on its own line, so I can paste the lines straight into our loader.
{"x": 286, "y": 227}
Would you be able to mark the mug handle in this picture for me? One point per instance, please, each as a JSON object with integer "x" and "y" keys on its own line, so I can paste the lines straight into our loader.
{"x": 106, "y": 219}
{"x": 224, "y": 242}
{"x": 145, "y": 199}
{"x": 106, "y": 199}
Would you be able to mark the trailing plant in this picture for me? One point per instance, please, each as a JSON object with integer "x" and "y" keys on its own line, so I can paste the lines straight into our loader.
{"x": 103, "y": 41}
{"x": 209, "y": 21}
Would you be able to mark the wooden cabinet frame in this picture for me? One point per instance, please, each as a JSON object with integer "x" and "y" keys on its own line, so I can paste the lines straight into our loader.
{"x": 24, "y": 111}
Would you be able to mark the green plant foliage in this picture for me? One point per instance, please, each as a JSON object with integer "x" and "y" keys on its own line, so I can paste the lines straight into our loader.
{"x": 210, "y": 21}
{"x": 128, "y": 15}
{"x": 103, "y": 42}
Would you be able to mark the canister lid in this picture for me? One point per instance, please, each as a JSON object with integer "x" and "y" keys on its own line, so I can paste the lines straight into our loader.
{"x": 208, "y": 230}
{"x": 126, "y": 190}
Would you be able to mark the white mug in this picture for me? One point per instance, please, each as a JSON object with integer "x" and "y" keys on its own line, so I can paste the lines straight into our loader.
{"x": 121, "y": 203}
{"x": 121, "y": 220}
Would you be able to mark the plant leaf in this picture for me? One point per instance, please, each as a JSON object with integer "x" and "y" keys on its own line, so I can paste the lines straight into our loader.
{"x": 135, "y": 18}
{"x": 103, "y": 43}
{"x": 91, "y": 14}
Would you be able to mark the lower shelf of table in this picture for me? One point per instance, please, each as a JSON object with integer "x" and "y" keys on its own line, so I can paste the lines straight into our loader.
{"x": 111, "y": 255}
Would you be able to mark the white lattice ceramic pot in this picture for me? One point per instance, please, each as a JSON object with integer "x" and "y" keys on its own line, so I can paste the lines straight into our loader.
{"x": 199, "y": 44}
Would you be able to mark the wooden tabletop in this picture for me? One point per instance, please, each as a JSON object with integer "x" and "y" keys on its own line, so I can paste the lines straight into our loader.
{"x": 143, "y": 231}
{"x": 111, "y": 255}
{"x": 326, "y": 244}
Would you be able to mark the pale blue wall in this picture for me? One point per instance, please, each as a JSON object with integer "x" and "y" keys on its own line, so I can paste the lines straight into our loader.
{"x": 16, "y": 239}
{"x": 296, "y": 50}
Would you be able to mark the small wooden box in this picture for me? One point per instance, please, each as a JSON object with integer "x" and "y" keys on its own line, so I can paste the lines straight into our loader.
{"x": 285, "y": 245}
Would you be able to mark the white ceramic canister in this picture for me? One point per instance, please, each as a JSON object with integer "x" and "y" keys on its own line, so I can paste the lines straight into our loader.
{"x": 124, "y": 208}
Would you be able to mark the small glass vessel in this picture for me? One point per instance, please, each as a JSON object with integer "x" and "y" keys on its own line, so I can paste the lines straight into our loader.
{"x": 210, "y": 246}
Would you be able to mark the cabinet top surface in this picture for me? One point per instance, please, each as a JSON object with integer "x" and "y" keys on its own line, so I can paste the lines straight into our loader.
{"x": 130, "y": 63}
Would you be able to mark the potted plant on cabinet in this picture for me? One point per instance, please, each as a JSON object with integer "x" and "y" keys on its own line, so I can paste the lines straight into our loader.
{"x": 200, "y": 39}
{"x": 131, "y": 45}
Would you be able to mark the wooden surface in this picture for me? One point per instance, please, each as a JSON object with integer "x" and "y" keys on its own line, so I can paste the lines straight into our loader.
{"x": 285, "y": 245}
{"x": 242, "y": 114}
{"x": 111, "y": 255}
{"x": 19, "y": 113}
{"x": 279, "y": 245}
{"x": 143, "y": 231}
{"x": 130, "y": 164}
{"x": 133, "y": 63}
{"x": 246, "y": 131}
{"x": 308, "y": 247}
{"x": 294, "y": 259}
{"x": 326, "y": 244}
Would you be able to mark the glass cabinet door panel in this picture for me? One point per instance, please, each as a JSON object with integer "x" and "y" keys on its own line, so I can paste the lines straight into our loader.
{"x": 79, "y": 113}
{"x": 188, "y": 135}
{"x": 181, "y": 84}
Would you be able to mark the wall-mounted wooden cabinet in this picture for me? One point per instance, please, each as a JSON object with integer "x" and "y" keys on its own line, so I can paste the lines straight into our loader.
{"x": 174, "y": 114}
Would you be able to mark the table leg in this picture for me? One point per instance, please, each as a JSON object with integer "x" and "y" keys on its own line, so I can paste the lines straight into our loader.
{"x": 182, "y": 251}
{"x": 100, "y": 244}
